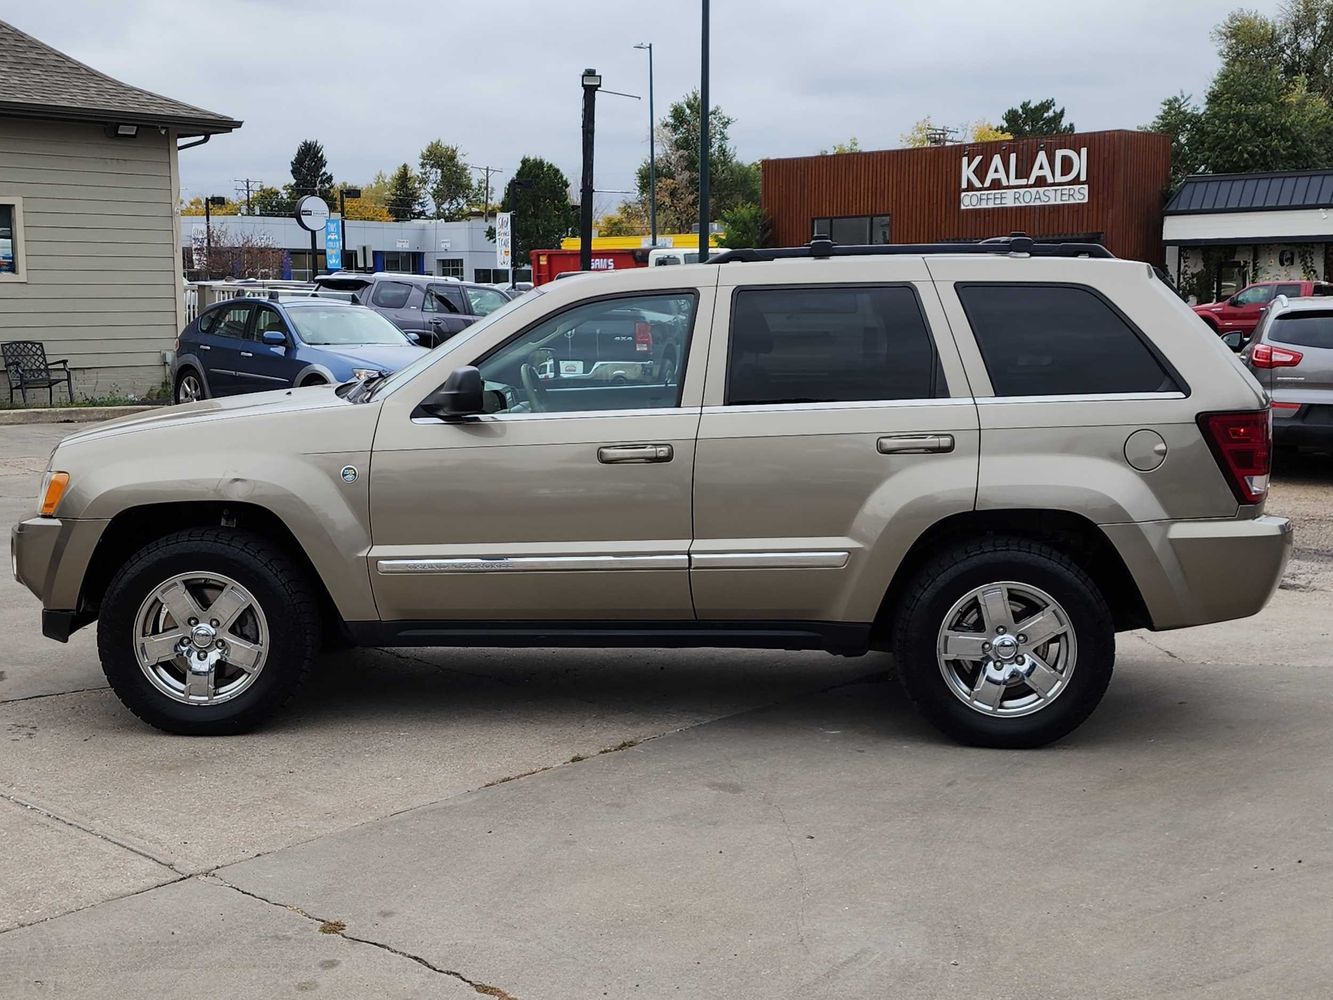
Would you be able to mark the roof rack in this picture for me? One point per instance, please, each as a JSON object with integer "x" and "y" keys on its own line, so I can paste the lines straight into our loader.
{"x": 1013, "y": 244}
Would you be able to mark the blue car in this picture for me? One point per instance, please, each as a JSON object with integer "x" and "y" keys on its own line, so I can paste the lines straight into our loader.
{"x": 254, "y": 345}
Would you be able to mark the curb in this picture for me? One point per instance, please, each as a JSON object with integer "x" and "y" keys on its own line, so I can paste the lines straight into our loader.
{"x": 70, "y": 414}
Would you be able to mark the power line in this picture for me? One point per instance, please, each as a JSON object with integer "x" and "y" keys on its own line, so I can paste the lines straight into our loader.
{"x": 250, "y": 185}
{"x": 486, "y": 198}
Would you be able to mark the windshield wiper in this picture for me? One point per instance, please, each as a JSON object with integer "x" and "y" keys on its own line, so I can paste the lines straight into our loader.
{"x": 364, "y": 388}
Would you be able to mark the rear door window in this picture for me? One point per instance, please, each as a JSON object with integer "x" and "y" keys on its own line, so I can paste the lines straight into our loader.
{"x": 445, "y": 299}
{"x": 1303, "y": 329}
{"x": 232, "y": 322}
{"x": 391, "y": 294}
{"x": 1058, "y": 340}
{"x": 486, "y": 300}
{"x": 1291, "y": 291}
{"x": 830, "y": 343}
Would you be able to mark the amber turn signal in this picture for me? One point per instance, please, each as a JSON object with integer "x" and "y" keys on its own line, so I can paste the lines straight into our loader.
{"x": 52, "y": 491}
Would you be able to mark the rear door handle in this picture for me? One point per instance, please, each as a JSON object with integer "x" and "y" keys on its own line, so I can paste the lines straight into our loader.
{"x": 204, "y": 347}
{"x": 914, "y": 444}
{"x": 618, "y": 454}
{"x": 246, "y": 354}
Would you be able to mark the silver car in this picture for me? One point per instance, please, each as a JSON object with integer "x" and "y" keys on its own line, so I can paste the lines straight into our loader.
{"x": 1291, "y": 355}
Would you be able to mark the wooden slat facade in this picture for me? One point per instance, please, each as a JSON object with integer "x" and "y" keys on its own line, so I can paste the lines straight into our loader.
{"x": 919, "y": 189}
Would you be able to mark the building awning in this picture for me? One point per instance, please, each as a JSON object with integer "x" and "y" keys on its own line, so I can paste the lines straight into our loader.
{"x": 1258, "y": 192}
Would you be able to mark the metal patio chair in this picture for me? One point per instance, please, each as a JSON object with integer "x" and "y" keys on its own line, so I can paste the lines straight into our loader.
{"x": 27, "y": 368}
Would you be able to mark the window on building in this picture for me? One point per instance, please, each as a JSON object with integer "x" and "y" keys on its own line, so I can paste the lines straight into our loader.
{"x": 402, "y": 261}
{"x": 830, "y": 344}
{"x": 391, "y": 294}
{"x": 1052, "y": 340}
{"x": 491, "y": 275}
{"x": 450, "y": 267}
{"x": 301, "y": 265}
{"x": 853, "y": 230}
{"x": 12, "y": 264}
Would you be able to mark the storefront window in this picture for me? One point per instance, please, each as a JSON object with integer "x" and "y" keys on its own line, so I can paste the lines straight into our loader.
{"x": 450, "y": 267}
{"x": 854, "y": 230}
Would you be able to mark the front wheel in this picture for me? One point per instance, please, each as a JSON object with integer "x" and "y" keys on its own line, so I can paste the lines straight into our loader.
{"x": 207, "y": 631}
{"x": 1004, "y": 642}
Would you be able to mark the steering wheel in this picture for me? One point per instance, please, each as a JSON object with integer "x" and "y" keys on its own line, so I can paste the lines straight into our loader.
{"x": 533, "y": 387}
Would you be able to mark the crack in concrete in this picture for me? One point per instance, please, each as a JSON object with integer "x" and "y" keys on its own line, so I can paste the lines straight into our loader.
{"x": 89, "y": 906}
{"x": 23, "y": 804}
{"x": 1160, "y": 649}
{"x": 52, "y": 694}
{"x": 338, "y": 928}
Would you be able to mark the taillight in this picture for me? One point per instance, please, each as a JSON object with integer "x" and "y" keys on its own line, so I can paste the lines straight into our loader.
{"x": 643, "y": 337}
{"x": 1242, "y": 443}
{"x": 1268, "y": 356}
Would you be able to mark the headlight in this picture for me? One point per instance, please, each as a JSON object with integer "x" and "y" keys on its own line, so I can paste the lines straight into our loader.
{"x": 53, "y": 489}
{"x": 361, "y": 374}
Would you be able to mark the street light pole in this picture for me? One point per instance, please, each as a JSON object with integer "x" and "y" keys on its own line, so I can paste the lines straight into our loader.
{"x": 343, "y": 195}
{"x": 703, "y": 138}
{"x": 591, "y": 82}
{"x": 652, "y": 148}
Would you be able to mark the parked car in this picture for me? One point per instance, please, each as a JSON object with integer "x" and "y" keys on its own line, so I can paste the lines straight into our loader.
{"x": 1241, "y": 312}
{"x": 253, "y": 345}
{"x": 1291, "y": 354}
{"x": 433, "y": 308}
{"x": 986, "y": 458}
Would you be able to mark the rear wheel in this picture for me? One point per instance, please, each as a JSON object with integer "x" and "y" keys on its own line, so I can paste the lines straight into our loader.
{"x": 190, "y": 387}
{"x": 207, "y": 631}
{"x": 1004, "y": 642}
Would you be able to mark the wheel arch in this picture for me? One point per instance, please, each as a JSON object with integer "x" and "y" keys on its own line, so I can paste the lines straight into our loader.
{"x": 1073, "y": 534}
{"x": 135, "y": 527}
{"x": 186, "y": 364}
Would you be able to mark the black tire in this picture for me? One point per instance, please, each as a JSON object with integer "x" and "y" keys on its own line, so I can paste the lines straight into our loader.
{"x": 960, "y": 570}
{"x": 314, "y": 380}
{"x": 189, "y": 373}
{"x": 278, "y": 586}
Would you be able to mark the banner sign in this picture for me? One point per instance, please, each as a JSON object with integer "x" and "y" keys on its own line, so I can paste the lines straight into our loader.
{"x": 504, "y": 247}
{"x": 333, "y": 244}
{"x": 1004, "y": 182}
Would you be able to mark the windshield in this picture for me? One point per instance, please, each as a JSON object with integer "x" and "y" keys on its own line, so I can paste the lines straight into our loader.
{"x": 409, "y": 372}
{"x": 329, "y": 325}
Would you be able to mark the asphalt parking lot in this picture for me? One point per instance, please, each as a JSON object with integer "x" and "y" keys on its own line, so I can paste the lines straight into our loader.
{"x": 567, "y": 824}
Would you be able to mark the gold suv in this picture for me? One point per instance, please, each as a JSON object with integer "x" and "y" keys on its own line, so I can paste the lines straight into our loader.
{"x": 987, "y": 459}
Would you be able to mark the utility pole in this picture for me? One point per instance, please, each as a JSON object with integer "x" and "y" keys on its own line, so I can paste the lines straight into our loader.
{"x": 486, "y": 197}
{"x": 247, "y": 183}
{"x": 209, "y": 202}
{"x": 591, "y": 82}
{"x": 703, "y": 139}
{"x": 652, "y": 149}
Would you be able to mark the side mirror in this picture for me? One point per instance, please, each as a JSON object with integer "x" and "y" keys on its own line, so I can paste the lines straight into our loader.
{"x": 412, "y": 336}
{"x": 273, "y": 338}
{"x": 460, "y": 396}
{"x": 1234, "y": 340}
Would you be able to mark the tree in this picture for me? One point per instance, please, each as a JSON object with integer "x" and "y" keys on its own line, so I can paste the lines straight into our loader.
{"x": 310, "y": 173}
{"x": 629, "y": 219}
{"x": 447, "y": 180}
{"x": 986, "y": 132}
{"x": 538, "y": 196}
{"x": 404, "y": 199}
{"x": 195, "y": 206}
{"x": 746, "y": 225}
{"x": 850, "y": 146}
{"x": 1041, "y": 118}
{"x": 270, "y": 201}
{"x": 926, "y": 133}
{"x": 1179, "y": 119}
{"x": 731, "y": 181}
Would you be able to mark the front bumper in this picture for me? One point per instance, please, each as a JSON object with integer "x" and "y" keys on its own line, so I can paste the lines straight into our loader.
{"x": 49, "y": 556}
{"x": 1197, "y": 572}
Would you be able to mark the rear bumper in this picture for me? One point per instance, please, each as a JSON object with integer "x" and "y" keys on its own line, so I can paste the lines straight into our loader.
{"x": 1196, "y": 572}
{"x": 1312, "y": 424}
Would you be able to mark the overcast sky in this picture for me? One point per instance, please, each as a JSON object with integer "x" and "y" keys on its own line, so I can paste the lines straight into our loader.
{"x": 374, "y": 82}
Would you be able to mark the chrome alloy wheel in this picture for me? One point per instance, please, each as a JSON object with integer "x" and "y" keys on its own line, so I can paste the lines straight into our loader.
{"x": 191, "y": 389}
{"x": 201, "y": 638}
{"x": 1007, "y": 649}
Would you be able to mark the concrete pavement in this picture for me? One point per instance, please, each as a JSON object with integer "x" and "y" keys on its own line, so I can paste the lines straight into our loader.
{"x": 442, "y": 823}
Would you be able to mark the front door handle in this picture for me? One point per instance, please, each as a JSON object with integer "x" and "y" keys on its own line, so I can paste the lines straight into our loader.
{"x": 914, "y": 444}
{"x": 618, "y": 454}
{"x": 246, "y": 354}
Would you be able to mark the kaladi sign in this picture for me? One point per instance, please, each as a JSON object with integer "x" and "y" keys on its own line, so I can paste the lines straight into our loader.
{"x": 1058, "y": 178}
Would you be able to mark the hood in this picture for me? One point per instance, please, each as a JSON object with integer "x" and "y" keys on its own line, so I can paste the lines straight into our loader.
{"x": 255, "y": 403}
{"x": 385, "y": 357}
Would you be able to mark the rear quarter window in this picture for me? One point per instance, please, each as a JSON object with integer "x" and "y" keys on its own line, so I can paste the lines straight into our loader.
{"x": 1059, "y": 340}
{"x": 1303, "y": 329}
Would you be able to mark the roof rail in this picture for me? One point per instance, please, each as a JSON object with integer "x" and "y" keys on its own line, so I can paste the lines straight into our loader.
{"x": 1014, "y": 243}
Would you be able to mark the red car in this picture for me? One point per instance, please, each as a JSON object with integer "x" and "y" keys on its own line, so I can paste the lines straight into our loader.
{"x": 1243, "y": 310}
